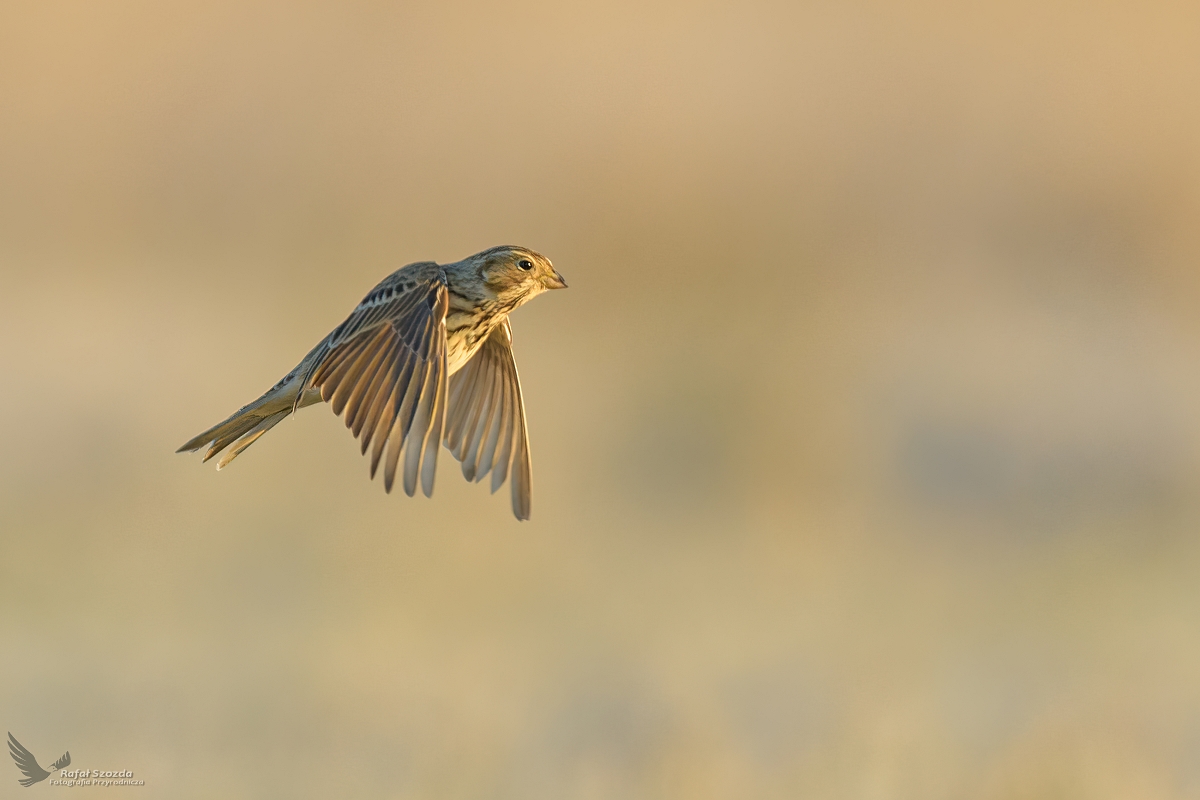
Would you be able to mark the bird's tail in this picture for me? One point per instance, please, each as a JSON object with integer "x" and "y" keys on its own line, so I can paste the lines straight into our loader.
{"x": 247, "y": 424}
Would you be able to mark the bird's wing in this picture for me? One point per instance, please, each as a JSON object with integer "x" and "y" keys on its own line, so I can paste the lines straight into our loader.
{"x": 385, "y": 366}
{"x": 26, "y": 763}
{"x": 485, "y": 426}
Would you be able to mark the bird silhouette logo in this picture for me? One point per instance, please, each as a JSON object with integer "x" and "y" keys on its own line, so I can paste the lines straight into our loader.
{"x": 28, "y": 764}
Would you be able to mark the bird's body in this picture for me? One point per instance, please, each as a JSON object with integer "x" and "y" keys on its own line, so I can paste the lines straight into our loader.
{"x": 425, "y": 357}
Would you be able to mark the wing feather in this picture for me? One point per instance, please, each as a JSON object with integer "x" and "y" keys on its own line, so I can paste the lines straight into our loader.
{"x": 353, "y": 378}
{"x": 365, "y": 386}
{"x": 376, "y": 395}
{"x": 480, "y": 400}
{"x": 385, "y": 369}
{"x": 405, "y": 413}
{"x": 392, "y": 397}
{"x": 487, "y": 452}
{"x": 459, "y": 409}
{"x": 504, "y": 458}
{"x": 476, "y": 381}
{"x": 433, "y": 438}
{"x": 422, "y": 419}
{"x": 522, "y": 473}
{"x": 486, "y": 427}
{"x": 487, "y": 416}
{"x": 337, "y": 364}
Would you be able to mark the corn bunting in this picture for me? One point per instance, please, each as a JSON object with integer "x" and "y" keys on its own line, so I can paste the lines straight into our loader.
{"x": 426, "y": 357}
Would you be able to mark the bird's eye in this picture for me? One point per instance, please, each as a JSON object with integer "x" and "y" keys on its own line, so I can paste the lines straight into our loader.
{"x": 525, "y": 264}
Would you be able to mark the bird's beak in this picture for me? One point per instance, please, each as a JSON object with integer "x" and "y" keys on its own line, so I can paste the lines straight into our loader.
{"x": 556, "y": 281}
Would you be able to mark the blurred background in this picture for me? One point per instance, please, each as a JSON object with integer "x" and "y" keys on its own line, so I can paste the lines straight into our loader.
{"x": 866, "y": 441}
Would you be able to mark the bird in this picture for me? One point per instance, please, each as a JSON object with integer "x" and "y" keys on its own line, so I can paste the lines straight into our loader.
{"x": 425, "y": 358}
{"x": 28, "y": 764}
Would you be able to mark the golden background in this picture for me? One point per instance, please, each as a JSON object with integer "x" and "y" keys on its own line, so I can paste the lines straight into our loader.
{"x": 866, "y": 441}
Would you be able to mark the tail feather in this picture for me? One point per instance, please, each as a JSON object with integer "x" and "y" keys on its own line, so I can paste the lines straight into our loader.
{"x": 243, "y": 426}
{"x": 248, "y": 438}
{"x": 251, "y": 421}
{"x": 221, "y": 434}
{"x": 236, "y": 430}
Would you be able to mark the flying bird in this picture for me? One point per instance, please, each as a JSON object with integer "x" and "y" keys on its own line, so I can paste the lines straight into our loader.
{"x": 425, "y": 358}
{"x": 28, "y": 764}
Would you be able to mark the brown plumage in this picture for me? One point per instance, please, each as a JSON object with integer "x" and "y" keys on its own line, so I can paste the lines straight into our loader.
{"x": 425, "y": 358}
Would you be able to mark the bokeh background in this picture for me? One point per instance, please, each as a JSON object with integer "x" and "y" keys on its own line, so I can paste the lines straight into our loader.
{"x": 866, "y": 441}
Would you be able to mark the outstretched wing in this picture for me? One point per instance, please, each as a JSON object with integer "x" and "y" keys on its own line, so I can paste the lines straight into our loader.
{"x": 485, "y": 426}
{"x": 26, "y": 763}
{"x": 385, "y": 367}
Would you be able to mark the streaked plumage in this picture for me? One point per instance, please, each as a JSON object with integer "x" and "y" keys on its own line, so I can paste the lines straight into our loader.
{"x": 425, "y": 358}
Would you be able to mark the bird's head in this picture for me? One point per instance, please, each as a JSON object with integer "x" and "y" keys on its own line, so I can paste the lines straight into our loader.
{"x": 515, "y": 273}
